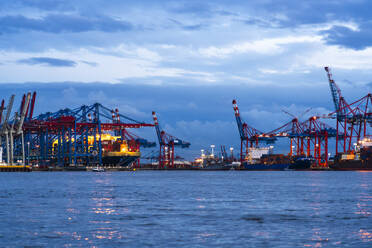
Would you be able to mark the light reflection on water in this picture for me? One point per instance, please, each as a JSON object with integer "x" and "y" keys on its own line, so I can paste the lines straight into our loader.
{"x": 103, "y": 203}
{"x": 365, "y": 235}
{"x": 183, "y": 209}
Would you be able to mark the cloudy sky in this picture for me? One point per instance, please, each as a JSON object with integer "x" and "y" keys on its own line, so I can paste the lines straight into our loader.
{"x": 187, "y": 60}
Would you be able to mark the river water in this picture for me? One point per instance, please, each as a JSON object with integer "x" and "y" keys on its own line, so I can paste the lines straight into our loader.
{"x": 186, "y": 209}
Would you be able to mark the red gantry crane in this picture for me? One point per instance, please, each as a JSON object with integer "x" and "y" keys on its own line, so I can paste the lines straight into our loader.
{"x": 249, "y": 136}
{"x": 167, "y": 143}
{"x": 307, "y": 139}
{"x": 353, "y": 120}
{"x": 134, "y": 142}
{"x": 317, "y": 134}
{"x": 294, "y": 131}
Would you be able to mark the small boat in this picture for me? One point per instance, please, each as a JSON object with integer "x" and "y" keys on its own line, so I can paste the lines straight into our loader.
{"x": 234, "y": 165}
{"x": 98, "y": 169}
{"x": 209, "y": 162}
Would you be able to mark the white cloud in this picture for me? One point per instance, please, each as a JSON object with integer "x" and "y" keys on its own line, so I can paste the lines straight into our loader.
{"x": 312, "y": 28}
{"x": 339, "y": 57}
{"x": 283, "y": 72}
{"x": 267, "y": 46}
{"x": 132, "y": 51}
{"x": 271, "y": 59}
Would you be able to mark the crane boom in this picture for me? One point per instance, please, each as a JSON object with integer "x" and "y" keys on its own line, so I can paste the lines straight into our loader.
{"x": 23, "y": 112}
{"x": 157, "y": 128}
{"x": 335, "y": 90}
{"x": 32, "y": 105}
{"x": 8, "y": 111}
{"x": 238, "y": 120}
{"x": 2, "y": 110}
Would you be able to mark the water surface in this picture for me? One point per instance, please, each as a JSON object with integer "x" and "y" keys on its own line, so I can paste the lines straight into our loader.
{"x": 186, "y": 209}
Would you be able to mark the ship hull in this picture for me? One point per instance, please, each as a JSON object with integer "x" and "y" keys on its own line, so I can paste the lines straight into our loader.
{"x": 301, "y": 164}
{"x": 351, "y": 165}
{"x": 216, "y": 167}
{"x": 107, "y": 160}
{"x": 265, "y": 167}
{"x": 123, "y": 161}
{"x": 348, "y": 161}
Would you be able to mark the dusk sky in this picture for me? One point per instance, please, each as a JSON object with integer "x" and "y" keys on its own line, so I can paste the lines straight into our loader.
{"x": 187, "y": 60}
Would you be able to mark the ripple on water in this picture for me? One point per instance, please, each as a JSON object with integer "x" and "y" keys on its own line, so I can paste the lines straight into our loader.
{"x": 254, "y": 218}
{"x": 184, "y": 209}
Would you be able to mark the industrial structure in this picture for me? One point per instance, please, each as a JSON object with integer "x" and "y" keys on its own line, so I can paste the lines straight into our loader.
{"x": 97, "y": 135}
{"x": 167, "y": 143}
{"x": 307, "y": 139}
{"x": 11, "y": 131}
{"x": 310, "y": 138}
{"x": 353, "y": 121}
{"x": 70, "y": 137}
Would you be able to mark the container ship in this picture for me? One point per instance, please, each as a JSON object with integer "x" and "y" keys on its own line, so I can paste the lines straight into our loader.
{"x": 359, "y": 159}
{"x": 115, "y": 150}
{"x": 263, "y": 159}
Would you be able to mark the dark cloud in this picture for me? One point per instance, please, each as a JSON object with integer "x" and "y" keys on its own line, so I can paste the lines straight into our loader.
{"x": 284, "y": 13}
{"x": 48, "y": 62}
{"x": 193, "y": 27}
{"x": 38, "y": 4}
{"x": 269, "y": 23}
{"x": 202, "y": 9}
{"x": 59, "y": 23}
{"x": 343, "y": 36}
{"x": 187, "y": 27}
{"x": 71, "y": 17}
{"x": 308, "y": 12}
{"x": 94, "y": 64}
{"x": 194, "y": 8}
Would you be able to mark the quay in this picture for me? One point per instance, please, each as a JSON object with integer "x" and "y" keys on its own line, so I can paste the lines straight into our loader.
{"x": 15, "y": 168}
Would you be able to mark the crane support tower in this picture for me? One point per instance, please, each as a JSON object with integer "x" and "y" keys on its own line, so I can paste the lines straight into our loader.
{"x": 317, "y": 135}
{"x": 167, "y": 143}
{"x": 294, "y": 131}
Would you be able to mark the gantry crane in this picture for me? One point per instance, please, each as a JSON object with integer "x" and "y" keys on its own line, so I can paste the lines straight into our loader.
{"x": 249, "y": 136}
{"x": 4, "y": 132}
{"x": 167, "y": 143}
{"x": 12, "y": 129}
{"x": 352, "y": 119}
{"x": 74, "y": 136}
